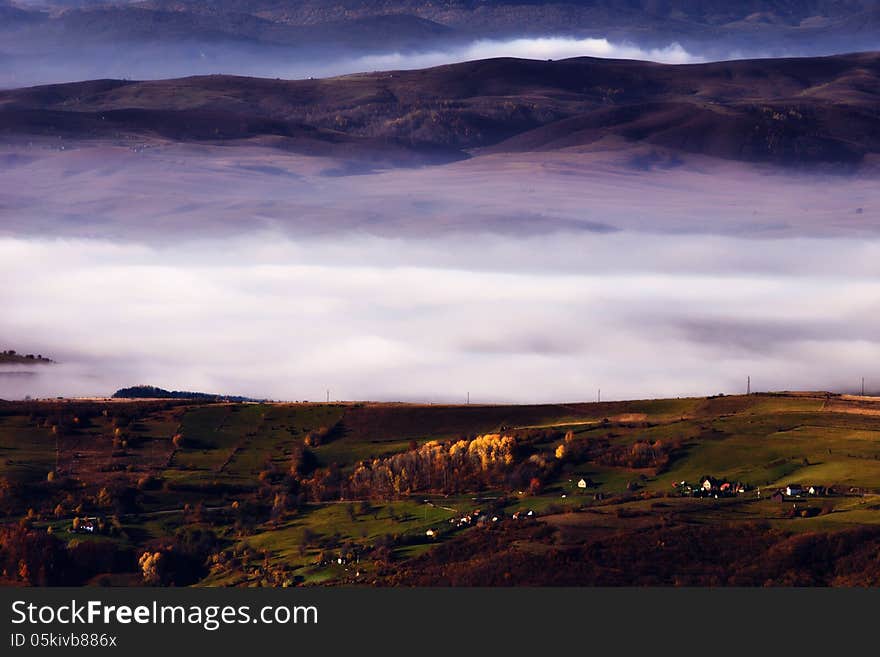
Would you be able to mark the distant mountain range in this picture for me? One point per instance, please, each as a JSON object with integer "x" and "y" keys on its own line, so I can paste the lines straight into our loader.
{"x": 818, "y": 26}
{"x": 783, "y": 111}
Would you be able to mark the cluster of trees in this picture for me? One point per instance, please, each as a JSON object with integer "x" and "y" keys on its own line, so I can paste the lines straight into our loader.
{"x": 466, "y": 464}
{"x": 182, "y": 560}
{"x": 11, "y": 356}
{"x": 642, "y": 454}
{"x": 320, "y": 435}
{"x": 37, "y": 558}
{"x": 152, "y": 392}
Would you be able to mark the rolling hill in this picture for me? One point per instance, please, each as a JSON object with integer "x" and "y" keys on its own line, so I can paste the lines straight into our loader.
{"x": 277, "y": 494}
{"x": 784, "y": 111}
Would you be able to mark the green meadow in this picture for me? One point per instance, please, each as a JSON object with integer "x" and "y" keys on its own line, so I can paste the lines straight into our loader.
{"x": 223, "y": 467}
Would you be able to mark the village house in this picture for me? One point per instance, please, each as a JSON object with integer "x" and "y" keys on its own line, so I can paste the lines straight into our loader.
{"x": 711, "y": 487}
{"x": 83, "y": 525}
{"x": 794, "y": 490}
{"x": 708, "y": 484}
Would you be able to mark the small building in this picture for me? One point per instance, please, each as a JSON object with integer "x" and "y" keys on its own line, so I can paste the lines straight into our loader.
{"x": 84, "y": 525}
{"x": 794, "y": 490}
{"x": 582, "y": 483}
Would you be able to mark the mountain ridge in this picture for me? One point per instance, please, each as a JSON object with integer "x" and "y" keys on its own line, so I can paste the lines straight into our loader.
{"x": 791, "y": 111}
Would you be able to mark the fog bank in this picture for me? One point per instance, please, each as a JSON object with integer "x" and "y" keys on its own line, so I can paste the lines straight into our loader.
{"x": 181, "y": 192}
{"x": 507, "y": 319}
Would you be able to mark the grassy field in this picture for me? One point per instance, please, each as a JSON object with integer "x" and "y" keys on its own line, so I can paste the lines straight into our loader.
{"x": 223, "y": 467}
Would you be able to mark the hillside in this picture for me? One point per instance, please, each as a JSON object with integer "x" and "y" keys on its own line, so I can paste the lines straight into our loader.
{"x": 272, "y": 494}
{"x": 152, "y": 392}
{"x": 784, "y": 111}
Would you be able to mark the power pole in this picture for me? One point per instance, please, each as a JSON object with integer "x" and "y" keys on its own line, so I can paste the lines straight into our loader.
{"x": 749, "y": 385}
{"x": 863, "y": 386}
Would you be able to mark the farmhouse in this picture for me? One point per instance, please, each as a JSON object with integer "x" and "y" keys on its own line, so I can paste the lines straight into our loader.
{"x": 711, "y": 487}
{"x": 708, "y": 484}
{"x": 83, "y": 525}
{"x": 794, "y": 490}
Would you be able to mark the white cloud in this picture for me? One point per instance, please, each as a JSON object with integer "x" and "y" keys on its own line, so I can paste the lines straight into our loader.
{"x": 526, "y": 48}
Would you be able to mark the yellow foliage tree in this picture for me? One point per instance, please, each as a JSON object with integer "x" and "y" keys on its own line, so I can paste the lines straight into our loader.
{"x": 150, "y": 563}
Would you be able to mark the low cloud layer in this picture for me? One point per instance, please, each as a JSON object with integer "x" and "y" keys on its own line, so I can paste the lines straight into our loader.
{"x": 526, "y": 48}
{"x": 520, "y": 321}
{"x": 175, "y": 192}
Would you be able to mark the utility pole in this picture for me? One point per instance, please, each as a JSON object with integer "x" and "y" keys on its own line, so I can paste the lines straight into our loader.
{"x": 863, "y": 386}
{"x": 469, "y": 398}
{"x": 749, "y": 385}
{"x": 599, "y": 396}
